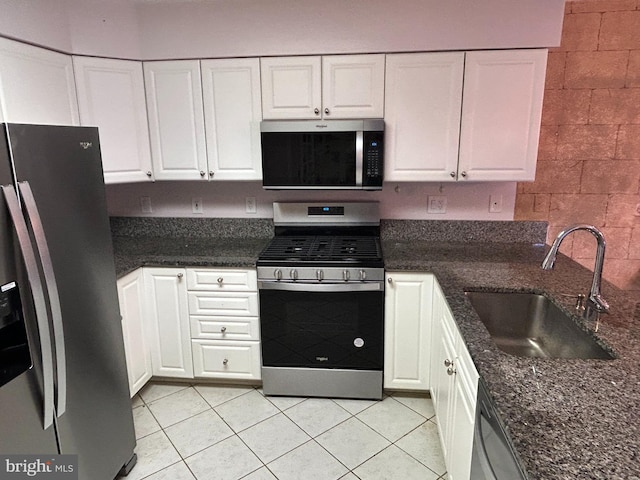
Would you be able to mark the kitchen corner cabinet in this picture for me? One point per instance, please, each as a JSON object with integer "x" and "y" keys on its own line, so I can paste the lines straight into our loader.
{"x": 176, "y": 120}
{"x": 131, "y": 299}
{"x": 111, "y": 96}
{"x": 408, "y": 313}
{"x": 423, "y": 99}
{"x": 336, "y": 86}
{"x": 501, "y": 112}
{"x": 225, "y": 330}
{"x": 454, "y": 386}
{"x": 168, "y": 320}
{"x": 495, "y": 106}
{"x": 36, "y": 85}
{"x": 232, "y": 112}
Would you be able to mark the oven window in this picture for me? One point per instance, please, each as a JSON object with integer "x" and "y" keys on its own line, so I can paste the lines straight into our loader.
{"x": 313, "y": 159}
{"x": 322, "y": 330}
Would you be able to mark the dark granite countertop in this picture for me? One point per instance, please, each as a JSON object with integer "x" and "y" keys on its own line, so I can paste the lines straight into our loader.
{"x": 133, "y": 252}
{"x": 568, "y": 419}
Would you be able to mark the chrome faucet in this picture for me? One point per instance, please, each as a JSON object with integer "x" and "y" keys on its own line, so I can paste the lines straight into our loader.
{"x": 595, "y": 300}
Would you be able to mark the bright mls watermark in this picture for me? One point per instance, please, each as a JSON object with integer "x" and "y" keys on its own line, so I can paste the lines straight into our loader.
{"x": 50, "y": 467}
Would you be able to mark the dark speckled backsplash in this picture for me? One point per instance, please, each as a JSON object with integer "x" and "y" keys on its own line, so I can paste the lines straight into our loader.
{"x": 465, "y": 231}
{"x": 191, "y": 227}
{"x": 427, "y": 230}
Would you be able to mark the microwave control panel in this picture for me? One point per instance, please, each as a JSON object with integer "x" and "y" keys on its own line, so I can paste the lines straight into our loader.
{"x": 373, "y": 159}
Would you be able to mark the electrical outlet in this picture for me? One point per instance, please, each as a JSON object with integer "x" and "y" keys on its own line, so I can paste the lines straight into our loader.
{"x": 145, "y": 205}
{"x": 196, "y": 205}
{"x": 495, "y": 203}
{"x": 436, "y": 204}
{"x": 250, "y": 205}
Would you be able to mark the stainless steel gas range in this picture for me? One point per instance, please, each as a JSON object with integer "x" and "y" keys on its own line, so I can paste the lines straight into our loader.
{"x": 321, "y": 285}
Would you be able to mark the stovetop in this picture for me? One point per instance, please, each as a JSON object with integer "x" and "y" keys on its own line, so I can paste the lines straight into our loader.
{"x": 323, "y": 250}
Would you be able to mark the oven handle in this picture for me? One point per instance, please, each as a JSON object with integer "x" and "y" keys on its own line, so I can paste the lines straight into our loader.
{"x": 322, "y": 287}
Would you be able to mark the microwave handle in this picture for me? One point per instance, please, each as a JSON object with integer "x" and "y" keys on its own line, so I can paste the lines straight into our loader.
{"x": 359, "y": 157}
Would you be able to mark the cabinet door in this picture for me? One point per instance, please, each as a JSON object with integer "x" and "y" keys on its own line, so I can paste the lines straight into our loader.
{"x": 291, "y": 87}
{"x": 501, "y": 113}
{"x": 423, "y": 97}
{"x": 463, "y": 414}
{"x": 36, "y": 85}
{"x": 136, "y": 348}
{"x": 169, "y": 331}
{"x": 111, "y": 97}
{"x": 176, "y": 120}
{"x": 232, "y": 110}
{"x": 353, "y": 86}
{"x": 408, "y": 311}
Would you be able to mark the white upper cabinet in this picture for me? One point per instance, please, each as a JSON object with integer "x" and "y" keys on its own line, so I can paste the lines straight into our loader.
{"x": 501, "y": 113}
{"x": 232, "y": 112}
{"x": 338, "y": 86}
{"x": 36, "y": 85}
{"x": 353, "y": 86}
{"x": 176, "y": 120}
{"x": 422, "y": 116}
{"x": 111, "y": 97}
{"x": 291, "y": 87}
{"x": 440, "y": 126}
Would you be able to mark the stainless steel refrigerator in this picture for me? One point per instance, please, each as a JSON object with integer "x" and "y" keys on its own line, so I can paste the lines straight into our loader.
{"x": 63, "y": 379}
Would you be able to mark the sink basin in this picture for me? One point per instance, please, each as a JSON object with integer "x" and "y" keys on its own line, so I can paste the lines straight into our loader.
{"x": 530, "y": 325}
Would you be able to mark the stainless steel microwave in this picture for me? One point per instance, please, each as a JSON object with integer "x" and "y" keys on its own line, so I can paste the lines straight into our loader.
{"x": 330, "y": 155}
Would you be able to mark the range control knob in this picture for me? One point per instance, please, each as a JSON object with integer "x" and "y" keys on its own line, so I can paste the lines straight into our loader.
{"x": 277, "y": 273}
{"x": 320, "y": 275}
{"x": 363, "y": 275}
{"x": 293, "y": 274}
{"x": 346, "y": 275}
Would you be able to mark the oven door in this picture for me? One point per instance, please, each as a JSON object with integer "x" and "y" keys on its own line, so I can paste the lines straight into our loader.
{"x": 328, "y": 326}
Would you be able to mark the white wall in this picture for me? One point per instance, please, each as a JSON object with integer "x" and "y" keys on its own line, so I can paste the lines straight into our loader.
{"x": 164, "y": 29}
{"x": 293, "y": 27}
{"x": 42, "y": 22}
{"x": 465, "y": 201}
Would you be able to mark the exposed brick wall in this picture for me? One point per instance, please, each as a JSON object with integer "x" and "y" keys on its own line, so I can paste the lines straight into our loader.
{"x": 589, "y": 155}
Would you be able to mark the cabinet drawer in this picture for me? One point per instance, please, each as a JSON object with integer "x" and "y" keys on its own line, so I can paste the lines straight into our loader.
{"x": 235, "y": 304}
{"x": 221, "y": 279}
{"x": 220, "y": 359}
{"x": 225, "y": 328}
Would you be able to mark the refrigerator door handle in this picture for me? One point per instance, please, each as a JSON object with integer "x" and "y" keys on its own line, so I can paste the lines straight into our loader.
{"x": 52, "y": 289}
{"x": 37, "y": 291}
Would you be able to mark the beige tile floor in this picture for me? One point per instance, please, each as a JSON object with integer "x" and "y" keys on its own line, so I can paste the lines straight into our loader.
{"x": 207, "y": 432}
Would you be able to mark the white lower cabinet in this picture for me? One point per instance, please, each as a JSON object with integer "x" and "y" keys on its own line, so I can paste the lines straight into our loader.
{"x": 408, "y": 312}
{"x": 168, "y": 322}
{"x": 225, "y": 330}
{"x": 136, "y": 345}
{"x": 453, "y": 390}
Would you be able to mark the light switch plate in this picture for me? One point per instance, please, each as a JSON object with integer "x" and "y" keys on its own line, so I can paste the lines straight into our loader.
{"x": 196, "y": 205}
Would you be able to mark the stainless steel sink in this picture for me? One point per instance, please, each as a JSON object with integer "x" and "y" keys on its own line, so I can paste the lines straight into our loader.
{"x": 531, "y": 325}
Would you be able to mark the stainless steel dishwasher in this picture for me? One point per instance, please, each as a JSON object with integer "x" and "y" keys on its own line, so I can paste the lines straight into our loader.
{"x": 493, "y": 456}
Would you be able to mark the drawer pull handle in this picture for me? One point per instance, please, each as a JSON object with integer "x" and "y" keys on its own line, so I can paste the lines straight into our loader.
{"x": 220, "y": 280}
{"x": 448, "y": 363}
{"x": 225, "y": 361}
{"x": 180, "y": 275}
{"x": 223, "y": 329}
{"x": 451, "y": 371}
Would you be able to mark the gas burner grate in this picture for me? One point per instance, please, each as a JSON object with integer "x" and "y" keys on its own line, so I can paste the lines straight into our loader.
{"x": 334, "y": 248}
